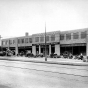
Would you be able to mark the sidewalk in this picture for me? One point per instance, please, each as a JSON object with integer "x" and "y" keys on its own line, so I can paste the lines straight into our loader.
{"x": 60, "y": 61}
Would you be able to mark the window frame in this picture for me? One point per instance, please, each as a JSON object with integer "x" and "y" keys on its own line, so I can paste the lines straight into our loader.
{"x": 76, "y": 35}
{"x": 83, "y": 35}
{"x": 53, "y": 37}
{"x": 68, "y": 36}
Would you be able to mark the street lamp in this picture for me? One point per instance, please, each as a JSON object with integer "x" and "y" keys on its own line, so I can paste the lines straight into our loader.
{"x": 45, "y": 44}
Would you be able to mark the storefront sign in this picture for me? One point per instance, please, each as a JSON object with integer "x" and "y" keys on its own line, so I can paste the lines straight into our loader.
{"x": 47, "y": 43}
{"x": 76, "y": 44}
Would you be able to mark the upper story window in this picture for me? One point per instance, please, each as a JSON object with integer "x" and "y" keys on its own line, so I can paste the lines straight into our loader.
{"x": 13, "y": 41}
{"x": 26, "y": 40}
{"x": 75, "y": 35}
{"x": 6, "y": 42}
{"x": 83, "y": 35}
{"x": 52, "y": 37}
{"x": 3, "y": 42}
{"x": 47, "y": 38}
{"x": 62, "y": 37}
{"x": 30, "y": 40}
{"x": 68, "y": 36}
{"x": 41, "y": 38}
{"x": 22, "y": 40}
{"x": 18, "y": 41}
{"x": 36, "y": 39}
{"x": 10, "y": 42}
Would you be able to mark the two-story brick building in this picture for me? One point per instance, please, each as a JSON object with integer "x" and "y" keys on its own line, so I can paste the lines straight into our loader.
{"x": 74, "y": 41}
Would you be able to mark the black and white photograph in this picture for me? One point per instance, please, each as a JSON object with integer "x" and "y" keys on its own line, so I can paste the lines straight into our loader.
{"x": 43, "y": 43}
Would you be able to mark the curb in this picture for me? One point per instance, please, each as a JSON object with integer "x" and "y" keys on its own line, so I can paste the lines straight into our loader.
{"x": 47, "y": 62}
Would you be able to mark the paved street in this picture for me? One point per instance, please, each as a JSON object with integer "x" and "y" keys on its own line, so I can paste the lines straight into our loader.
{"x": 16, "y": 74}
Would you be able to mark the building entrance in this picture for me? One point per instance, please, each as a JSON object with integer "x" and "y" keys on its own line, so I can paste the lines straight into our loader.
{"x": 43, "y": 49}
{"x": 52, "y": 48}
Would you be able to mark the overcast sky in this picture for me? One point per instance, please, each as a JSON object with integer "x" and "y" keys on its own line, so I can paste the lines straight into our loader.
{"x": 20, "y": 16}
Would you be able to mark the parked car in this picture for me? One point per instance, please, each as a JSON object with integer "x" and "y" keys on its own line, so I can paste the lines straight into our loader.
{"x": 53, "y": 55}
{"x": 29, "y": 54}
{"x": 66, "y": 54}
{"x": 39, "y": 55}
{"x": 9, "y": 53}
{"x": 70, "y": 56}
{"x": 2, "y": 53}
{"x": 21, "y": 53}
{"x": 79, "y": 57}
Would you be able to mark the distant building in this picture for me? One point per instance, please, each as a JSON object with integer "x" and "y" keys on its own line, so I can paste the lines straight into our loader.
{"x": 74, "y": 41}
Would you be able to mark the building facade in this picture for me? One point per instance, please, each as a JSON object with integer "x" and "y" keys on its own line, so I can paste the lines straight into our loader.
{"x": 75, "y": 42}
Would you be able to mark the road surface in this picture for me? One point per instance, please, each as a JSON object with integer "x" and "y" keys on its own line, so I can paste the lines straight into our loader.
{"x": 16, "y": 74}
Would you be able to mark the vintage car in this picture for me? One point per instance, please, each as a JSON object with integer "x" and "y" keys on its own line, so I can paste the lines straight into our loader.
{"x": 2, "y": 53}
{"x": 66, "y": 54}
{"x": 29, "y": 54}
{"x": 54, "y": 55}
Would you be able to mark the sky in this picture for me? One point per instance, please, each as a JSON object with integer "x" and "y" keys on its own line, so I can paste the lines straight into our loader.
{"x": 20, "y": 16}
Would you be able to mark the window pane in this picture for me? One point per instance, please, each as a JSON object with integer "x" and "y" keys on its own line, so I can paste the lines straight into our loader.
{"x": 36, "y": 39}
{"x": 83, "y": 34}
{"x": 18, "y": 41}
{"x": 30, "y": 40}
{"x": 10, "y": 41}
{"x": 26, "y": 40}
{"x": 6, "y": 42}
{"x": 61, "y": 37}
{"x": 68, "y": 36}
{"x": 13, "y": 41}
{"x": 52, "y": 37}
{"x": 47, "y": 38}
{"x": 22, "y": 40}
{"x": 75, "y": 35}
{"x": 41, "y": 39}
{"x": 3, "y": 42}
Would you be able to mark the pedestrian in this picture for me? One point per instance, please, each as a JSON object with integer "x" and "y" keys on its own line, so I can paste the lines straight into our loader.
{"x": 81, "y": 56}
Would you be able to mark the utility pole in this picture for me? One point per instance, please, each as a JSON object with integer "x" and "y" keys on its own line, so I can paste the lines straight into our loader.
{"x": 45, "y": 44}
{"x": 1, "y": 43}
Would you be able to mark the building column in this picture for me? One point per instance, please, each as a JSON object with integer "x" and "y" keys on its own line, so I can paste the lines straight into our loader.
{"x": 57, "y": 49}
{"x": 49, "y": 49}
{"x": 34, "y": 50}
{"x": 16, "y": 50}
{"x": 39, "y": 49}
